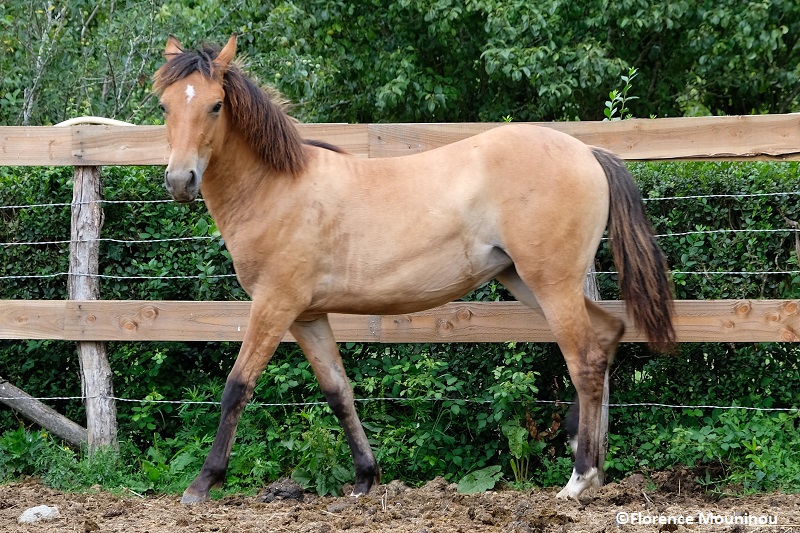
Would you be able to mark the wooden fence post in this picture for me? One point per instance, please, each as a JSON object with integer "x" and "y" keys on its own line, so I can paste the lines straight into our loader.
{"x": 96, "y": 382}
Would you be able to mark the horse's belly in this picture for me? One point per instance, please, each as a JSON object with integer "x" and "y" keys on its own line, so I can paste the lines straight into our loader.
{"x": 413, "y": 284}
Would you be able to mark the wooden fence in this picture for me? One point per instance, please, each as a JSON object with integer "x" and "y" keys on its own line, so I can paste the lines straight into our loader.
{"x": 91, "y": 321}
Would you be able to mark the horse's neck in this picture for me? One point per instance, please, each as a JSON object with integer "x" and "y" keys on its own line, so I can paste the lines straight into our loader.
{"x": 234, "y": 180}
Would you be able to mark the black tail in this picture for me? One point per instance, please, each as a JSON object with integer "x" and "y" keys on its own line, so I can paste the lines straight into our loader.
{"x": 643, "y": 272}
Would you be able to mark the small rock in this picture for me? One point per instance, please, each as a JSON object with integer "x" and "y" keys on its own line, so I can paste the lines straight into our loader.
{"x": 339, "y": 506}
{"x": 316, "y": 527}
{"x": 283, "y": 489}
{"x": 518, "y": 526}
{"x": 38, "y": 514}
{"x": 113, "y": 513}
{"x": 391, "y": 490}
{"x": 635, "y": 480}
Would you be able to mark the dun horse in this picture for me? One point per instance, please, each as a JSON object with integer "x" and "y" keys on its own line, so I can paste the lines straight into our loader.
{"x": 313, "y": 230}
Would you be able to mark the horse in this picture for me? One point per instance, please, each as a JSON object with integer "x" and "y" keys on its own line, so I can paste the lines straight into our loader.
{"x": 313, "y": 230}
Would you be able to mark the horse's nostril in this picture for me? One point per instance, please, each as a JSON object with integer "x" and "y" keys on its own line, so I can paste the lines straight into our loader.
{"x": 192, "y": 179}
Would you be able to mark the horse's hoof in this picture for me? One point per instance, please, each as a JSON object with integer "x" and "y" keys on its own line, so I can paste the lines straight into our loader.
{"x": 361, "y": 489}
{"x": 190, "y": 499}
{"x": 577, "y": 484}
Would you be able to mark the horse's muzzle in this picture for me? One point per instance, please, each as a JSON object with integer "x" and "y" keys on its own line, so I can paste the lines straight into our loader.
{"x": 183, "y": 185}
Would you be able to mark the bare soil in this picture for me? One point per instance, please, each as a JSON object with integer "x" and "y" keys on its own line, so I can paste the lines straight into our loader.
{"x": 436, "y": 507}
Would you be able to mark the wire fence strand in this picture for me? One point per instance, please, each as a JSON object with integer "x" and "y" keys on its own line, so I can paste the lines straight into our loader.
{"x": 220, "y": 276}
{"x": 403, "y": 400}
{"x": 200, "y": 200}
{"x": 213, "y": 237}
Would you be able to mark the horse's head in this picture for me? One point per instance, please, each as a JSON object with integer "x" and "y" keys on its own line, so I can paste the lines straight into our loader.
{"x": 193, "y": 102}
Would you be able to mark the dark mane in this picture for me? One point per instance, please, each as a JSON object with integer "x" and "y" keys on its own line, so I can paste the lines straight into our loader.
{"x": 325, "y": 145}
{"x": 259, "y": 115}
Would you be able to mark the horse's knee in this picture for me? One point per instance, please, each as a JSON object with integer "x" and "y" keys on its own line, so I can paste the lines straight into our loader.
{"x": 610, "y": 337}
{"x": 235, "y": 395}
{"x": 340, "y": 402}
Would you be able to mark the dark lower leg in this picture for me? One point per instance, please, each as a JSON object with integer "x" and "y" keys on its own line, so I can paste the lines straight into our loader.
{"x": 255, "y": 353}
{"x": 609, "y": 330}
{"x": 316, "y": 339}
{"x": 367, "y": 470}
{"x": 212, "y": 474}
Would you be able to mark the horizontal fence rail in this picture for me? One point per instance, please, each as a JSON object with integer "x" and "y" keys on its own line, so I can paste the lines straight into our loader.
{"x": 115, "y": 320}
{"x": 758, "y": 137}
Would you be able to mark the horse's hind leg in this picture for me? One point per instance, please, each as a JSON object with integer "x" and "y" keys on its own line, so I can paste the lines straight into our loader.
{"x": 588, "y": 357}
{"x": 609, "y": 330}
{"x": 316, "y": 339}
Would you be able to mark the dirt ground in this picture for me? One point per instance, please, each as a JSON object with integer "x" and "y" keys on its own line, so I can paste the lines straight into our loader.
{"x": 671, "y": 498}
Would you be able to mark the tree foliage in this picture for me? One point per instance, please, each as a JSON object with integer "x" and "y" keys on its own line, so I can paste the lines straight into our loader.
{"x": 412, "y": 60}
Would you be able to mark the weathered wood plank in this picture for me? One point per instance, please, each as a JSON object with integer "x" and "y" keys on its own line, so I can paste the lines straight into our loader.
{"x": 178, "y": 321}
{"x": 751, "y": 137}
{"x": 32, "y": 319}
{"x": 88, "y": 145}
{"x": 353, "y": 138}
{"x": 696, "y": 321}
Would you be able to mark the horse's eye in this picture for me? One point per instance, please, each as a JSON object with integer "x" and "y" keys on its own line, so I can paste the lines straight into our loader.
{"x": 217, "y": 107}
{"x": 163, "y": 109}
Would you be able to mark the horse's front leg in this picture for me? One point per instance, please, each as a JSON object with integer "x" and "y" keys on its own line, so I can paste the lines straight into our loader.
{"x": 316, "y": 339}
{"x": 265, "y": 329}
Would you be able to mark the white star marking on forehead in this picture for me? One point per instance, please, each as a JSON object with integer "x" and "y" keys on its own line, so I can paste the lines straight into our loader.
{"x": 189, "y": 93}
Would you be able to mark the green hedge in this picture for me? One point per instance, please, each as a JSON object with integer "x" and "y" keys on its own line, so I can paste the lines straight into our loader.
{"x": 456, "y": 398}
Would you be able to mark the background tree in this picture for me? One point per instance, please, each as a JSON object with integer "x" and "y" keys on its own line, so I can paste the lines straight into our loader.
{"x": 412, "y": 60}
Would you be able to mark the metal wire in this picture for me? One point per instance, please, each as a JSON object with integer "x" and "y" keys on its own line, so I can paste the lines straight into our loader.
{"x": 109, "y": 239}
{"x": 407, "y": 400}
{"x": 67, "y": 204}
{"x": 212, "y": 237}
{"x": 200, "y": 200}
{"x": 736, "y": 196}
{"x": 219, "y": 276}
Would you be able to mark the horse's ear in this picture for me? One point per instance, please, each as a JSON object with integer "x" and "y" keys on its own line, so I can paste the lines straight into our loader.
{"x": 225, "y": 55}
{"x": 173, "y": 47}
